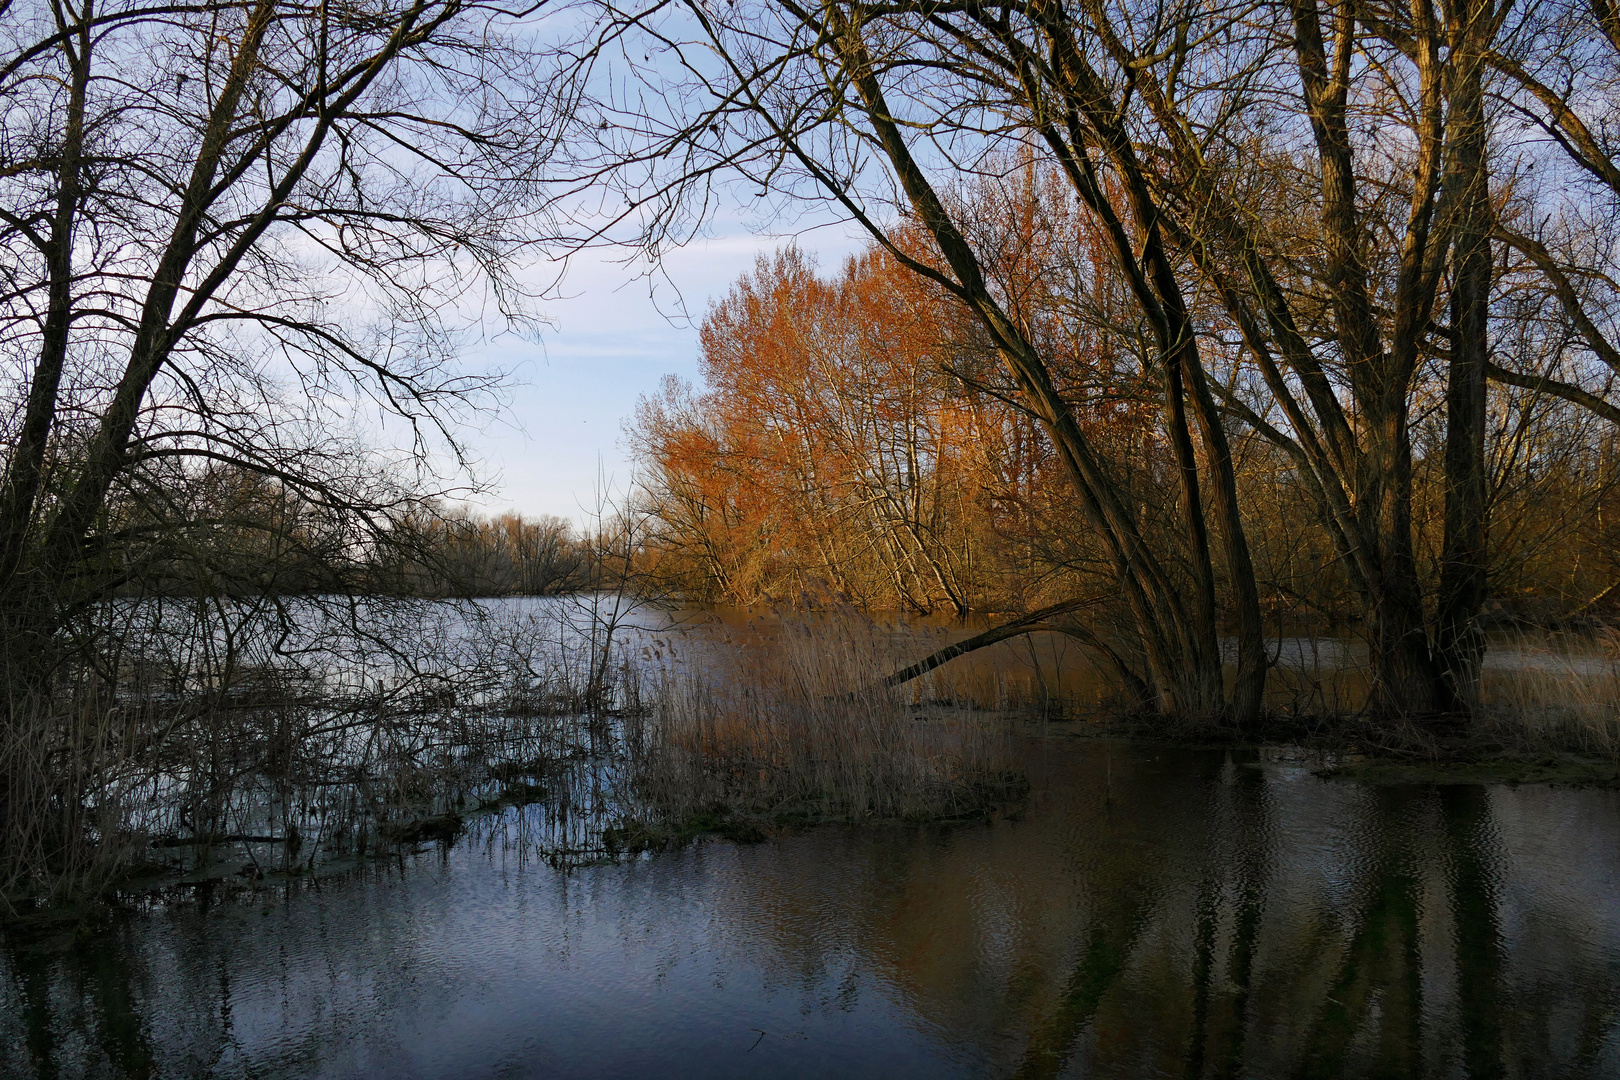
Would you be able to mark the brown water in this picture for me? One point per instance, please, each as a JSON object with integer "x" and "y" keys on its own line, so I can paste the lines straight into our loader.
{"x": 1154, "y": 912}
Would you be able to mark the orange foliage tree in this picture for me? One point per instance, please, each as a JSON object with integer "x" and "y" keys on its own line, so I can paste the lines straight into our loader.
{"x": 854, "y": 438}
{"x": 831, "y": 454}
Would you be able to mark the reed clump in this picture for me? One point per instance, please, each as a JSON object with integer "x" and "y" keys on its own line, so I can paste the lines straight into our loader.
{"x": 64, "y": 813}
{"x": 1555, "y": 692}
{"x": 800, "y": 729}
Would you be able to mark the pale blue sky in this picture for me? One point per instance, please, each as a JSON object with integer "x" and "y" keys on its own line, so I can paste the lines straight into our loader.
{"x": 614, "y": 339}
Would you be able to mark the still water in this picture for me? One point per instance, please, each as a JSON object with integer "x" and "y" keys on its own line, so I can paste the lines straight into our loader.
{"x": 1152, "y": 912}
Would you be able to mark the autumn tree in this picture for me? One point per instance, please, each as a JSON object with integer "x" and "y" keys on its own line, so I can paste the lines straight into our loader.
{"x": 831, "y": 452}
{"x": 879, "y": 110}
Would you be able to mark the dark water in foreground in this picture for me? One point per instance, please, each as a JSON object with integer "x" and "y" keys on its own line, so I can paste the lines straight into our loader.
{"x": 1156, "y": 912}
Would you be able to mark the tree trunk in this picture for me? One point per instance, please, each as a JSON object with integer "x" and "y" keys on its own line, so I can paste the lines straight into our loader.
{"x": 1181, "y": 676}
{"x": 1460, "y": 641}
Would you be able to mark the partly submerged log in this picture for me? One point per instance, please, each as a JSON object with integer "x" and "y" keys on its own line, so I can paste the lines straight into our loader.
{"x": 1034, "y": 622}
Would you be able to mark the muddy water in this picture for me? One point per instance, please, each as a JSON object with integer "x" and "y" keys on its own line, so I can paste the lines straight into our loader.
{"x": 1154, "y": 912}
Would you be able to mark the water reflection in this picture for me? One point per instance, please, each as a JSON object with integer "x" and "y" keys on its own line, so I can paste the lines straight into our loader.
{"x": 1156, "y": 912}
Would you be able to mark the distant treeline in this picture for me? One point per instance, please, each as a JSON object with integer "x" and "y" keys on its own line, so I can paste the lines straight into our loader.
{"x": 460, "y": 553}
{"x": 229, "y": 532}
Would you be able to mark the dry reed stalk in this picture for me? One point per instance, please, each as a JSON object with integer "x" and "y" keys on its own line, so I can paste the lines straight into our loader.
{"x": 199, "y": 760}
{"x": 802, "y": 728}
{"x": 1563, "y": 694}
{"x": 63, "y": 812}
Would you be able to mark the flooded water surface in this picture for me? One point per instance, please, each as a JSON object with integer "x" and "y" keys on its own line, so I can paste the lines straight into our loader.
{"x": 1151, "y": 912}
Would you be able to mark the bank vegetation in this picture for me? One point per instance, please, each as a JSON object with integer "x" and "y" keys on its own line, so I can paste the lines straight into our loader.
{"x": 1182, "y": 329}
{"x": 1226, "y": 312}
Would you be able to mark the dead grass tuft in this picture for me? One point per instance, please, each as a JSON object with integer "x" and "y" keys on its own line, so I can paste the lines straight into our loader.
{"x": 800, "y": 728}
{"x": 1560, "y": 692}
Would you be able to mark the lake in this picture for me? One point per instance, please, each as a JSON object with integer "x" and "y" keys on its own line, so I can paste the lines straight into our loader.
{"x": 1152, "y": 911}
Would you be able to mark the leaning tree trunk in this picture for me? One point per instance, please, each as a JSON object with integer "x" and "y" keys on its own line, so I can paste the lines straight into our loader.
{"x": 1088, "y": 108}
{"x": 1183, "y": 675}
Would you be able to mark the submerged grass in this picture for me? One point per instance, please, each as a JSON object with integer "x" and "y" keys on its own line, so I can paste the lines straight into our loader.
{"x": 592, "y": 745}
{"x": 253, "y": 746}
{"x": 1544, "y": 691}
{"x": 279, "y": 771}
{"x": 799, "y": 729}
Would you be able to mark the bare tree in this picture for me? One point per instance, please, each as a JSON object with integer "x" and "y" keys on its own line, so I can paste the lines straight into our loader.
{"x": 879, "y": 109}
{"x": 232, "y": 231}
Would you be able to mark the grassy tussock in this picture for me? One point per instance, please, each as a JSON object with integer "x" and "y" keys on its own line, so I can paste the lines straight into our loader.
{"x": 1562, "y": 694}
{"x": 799, "y": 728}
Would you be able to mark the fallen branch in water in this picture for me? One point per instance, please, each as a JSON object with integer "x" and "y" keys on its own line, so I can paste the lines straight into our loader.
{"x": 1025, "y": 624}
{"x": 1034, "y": 622}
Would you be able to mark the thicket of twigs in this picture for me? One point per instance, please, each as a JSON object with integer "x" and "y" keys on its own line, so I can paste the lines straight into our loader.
{"x": 218, "y": 739}
{"x": 304, "y": 731}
